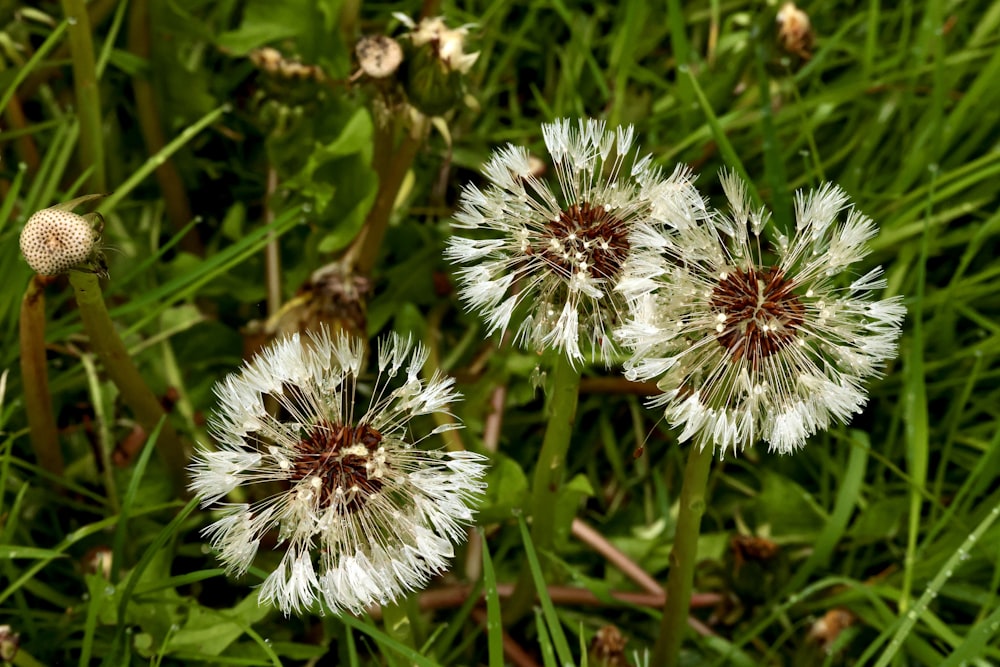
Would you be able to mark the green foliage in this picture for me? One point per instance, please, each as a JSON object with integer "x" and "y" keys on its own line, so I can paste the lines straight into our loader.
{"x": 890, "y": 520}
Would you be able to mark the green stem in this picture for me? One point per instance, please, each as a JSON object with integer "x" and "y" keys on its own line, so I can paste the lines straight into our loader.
{"x": 88, "y": 100}
{"x": 43, "y": 433}
{"x": 683, "y": 557}
{"x": 117, "y": 362}
{"x": 391, "y": 163}
{"x": 175, "y": 197}
{"x": 548, "y": 479}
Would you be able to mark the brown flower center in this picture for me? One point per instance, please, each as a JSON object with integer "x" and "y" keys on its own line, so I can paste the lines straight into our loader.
{"x": 340, "y": 462}
{"x": 586, "y": 239}
{"x": 757, "y": 313}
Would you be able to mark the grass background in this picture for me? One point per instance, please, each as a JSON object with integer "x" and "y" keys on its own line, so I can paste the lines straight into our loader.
{"x": 890, "y": 519}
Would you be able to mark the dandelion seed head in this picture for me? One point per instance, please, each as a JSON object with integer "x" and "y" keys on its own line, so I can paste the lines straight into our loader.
{"x": 357, "y": 500}
{"x": 566, "y": 249}
{"x": 766, "y": 343}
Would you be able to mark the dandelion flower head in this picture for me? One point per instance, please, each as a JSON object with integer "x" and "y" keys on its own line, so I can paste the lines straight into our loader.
{"x": 361, "y": 514}
{"x": 549, "y": 262}
{"x": 749, "y": 341}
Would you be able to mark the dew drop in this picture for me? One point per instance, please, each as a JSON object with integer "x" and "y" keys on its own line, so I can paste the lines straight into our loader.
{"x": 71, "y": 20}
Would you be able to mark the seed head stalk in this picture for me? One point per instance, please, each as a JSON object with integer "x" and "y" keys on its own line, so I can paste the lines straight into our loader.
{"x": 549, "y": 469}
{"x": 37, "y": 399}
{"x": 118, "y": 364}
{"x": 680, "y": 579}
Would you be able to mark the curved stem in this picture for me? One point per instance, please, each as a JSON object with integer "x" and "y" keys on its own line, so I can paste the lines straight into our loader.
{"x": 548, "y": 479}
{"x": 683, "y": 557}
{"x": 117, "y": 362}
{"x": 43, "y": 433}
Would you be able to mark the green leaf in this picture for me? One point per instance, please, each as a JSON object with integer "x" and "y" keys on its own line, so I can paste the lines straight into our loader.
{"x": 506, "y": 490}
{"x": 211, "y": 631}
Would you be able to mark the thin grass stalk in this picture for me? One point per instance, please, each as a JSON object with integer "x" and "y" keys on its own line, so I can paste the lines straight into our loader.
{"x": 118, "y": 364}
{"x": 548, "y": 478}
{"x": 88, "y": 99}
{"x": 43, "y": 434}
{"x": 272, "y": 252}
{"x": 680, "y": 579}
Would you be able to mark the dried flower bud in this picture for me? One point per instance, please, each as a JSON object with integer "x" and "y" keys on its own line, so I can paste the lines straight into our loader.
{"x": 10, "y": 641}
{"x": 54, "y": 241}
{"x": 272, "y": 61}
{"x": 98, "y": 561}
{"x": 379, "y": 56}
{"x": 795, "y": 34}
{"x": 436, "y": 61}
{"x": 826, "y": 630}
{"x": 607, "y": 648}
{"x": 448, "y": 44}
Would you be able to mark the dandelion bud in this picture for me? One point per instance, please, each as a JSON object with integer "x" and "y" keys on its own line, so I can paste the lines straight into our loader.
{"x": 55, "y": 241}
{"x": 379, "y": 56}
{"x": 437, "y": 61}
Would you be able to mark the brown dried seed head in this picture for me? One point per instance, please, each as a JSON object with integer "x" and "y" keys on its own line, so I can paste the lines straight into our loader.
{"x": 55, "y": 241}
{"x": 379, "y": 56}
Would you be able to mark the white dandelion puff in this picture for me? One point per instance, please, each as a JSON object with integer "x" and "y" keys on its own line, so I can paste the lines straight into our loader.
{"x": 547, "y": 263}
{"x": 362, "y": 515}
{"x": 752, "y": 343}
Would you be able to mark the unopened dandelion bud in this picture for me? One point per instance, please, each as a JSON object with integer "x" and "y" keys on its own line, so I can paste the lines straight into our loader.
{"x": 54, "y": 241}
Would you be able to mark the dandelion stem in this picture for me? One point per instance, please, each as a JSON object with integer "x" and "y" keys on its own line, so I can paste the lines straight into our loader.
{"x": 88, "y": 100}
{"x": 37, "y": 400}
{"x": 117, "y": 362}
{"x": 680, "y": 579}
{"x": 391, "y": 161}
{"x": 548, "y": 477}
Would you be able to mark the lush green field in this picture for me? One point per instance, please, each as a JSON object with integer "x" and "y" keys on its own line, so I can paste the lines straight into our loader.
{"x": 232, "y": 178}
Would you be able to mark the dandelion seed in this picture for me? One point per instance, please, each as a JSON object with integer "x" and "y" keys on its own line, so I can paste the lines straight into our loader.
{"x": 772, "y": 350}
{"x": 548, "y": 264}
{"x": 363, "y": 515}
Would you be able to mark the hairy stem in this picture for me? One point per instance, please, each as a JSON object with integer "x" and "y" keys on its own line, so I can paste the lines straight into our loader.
{"x": 88, "y": 100}
{"x": 117, "y": 362}
{"x": 43, "y": 433}
{"x": 548, "y": 479}
{"x": 680, "y": 579}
